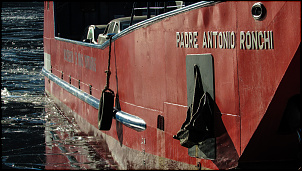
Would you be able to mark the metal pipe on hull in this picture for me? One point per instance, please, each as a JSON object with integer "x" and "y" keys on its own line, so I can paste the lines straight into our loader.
{"x": 130, "y": 121}
{"x": 127, "y": 119}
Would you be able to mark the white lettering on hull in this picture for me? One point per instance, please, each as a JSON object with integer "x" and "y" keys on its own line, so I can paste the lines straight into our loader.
{"x": 248, "y": 40}
{"x": 80, "y": 59}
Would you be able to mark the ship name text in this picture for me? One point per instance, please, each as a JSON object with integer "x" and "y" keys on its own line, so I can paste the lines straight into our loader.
{"x": 80, "y": 59}
{"x": 248, "y": 40}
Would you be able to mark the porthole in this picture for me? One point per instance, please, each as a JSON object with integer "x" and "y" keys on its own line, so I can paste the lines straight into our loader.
{"x": 258, "y": 11}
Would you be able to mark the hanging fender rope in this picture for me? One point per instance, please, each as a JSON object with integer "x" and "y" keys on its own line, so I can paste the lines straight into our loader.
{"x": 108, "y": 72}
{"x": 106, "y": 113}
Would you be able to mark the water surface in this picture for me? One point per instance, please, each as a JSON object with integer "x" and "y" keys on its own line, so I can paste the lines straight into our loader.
{"x": 35, "y": 133}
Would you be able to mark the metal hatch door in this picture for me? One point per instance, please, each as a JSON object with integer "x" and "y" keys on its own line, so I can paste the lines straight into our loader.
{"x": 206, "y": 148}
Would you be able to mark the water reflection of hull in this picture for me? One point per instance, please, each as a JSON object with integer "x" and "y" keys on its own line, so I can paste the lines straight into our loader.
{"x": 67, "y": 148}
{"x": 248, "y": 64}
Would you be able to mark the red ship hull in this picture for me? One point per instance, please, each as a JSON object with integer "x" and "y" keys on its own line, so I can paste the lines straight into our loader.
{"x": 256, "y": 70}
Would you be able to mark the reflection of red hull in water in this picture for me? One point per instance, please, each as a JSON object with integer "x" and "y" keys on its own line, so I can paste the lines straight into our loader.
{"x": 249, "y": 67}
{"x": 68, "y": 148}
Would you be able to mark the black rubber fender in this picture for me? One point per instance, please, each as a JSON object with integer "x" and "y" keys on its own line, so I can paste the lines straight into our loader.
{"x": 105, "y": 114}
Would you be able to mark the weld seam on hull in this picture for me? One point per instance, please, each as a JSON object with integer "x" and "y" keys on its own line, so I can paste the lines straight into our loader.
{"x": 154, "y": 110}
{"x": 174, "y": 104}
